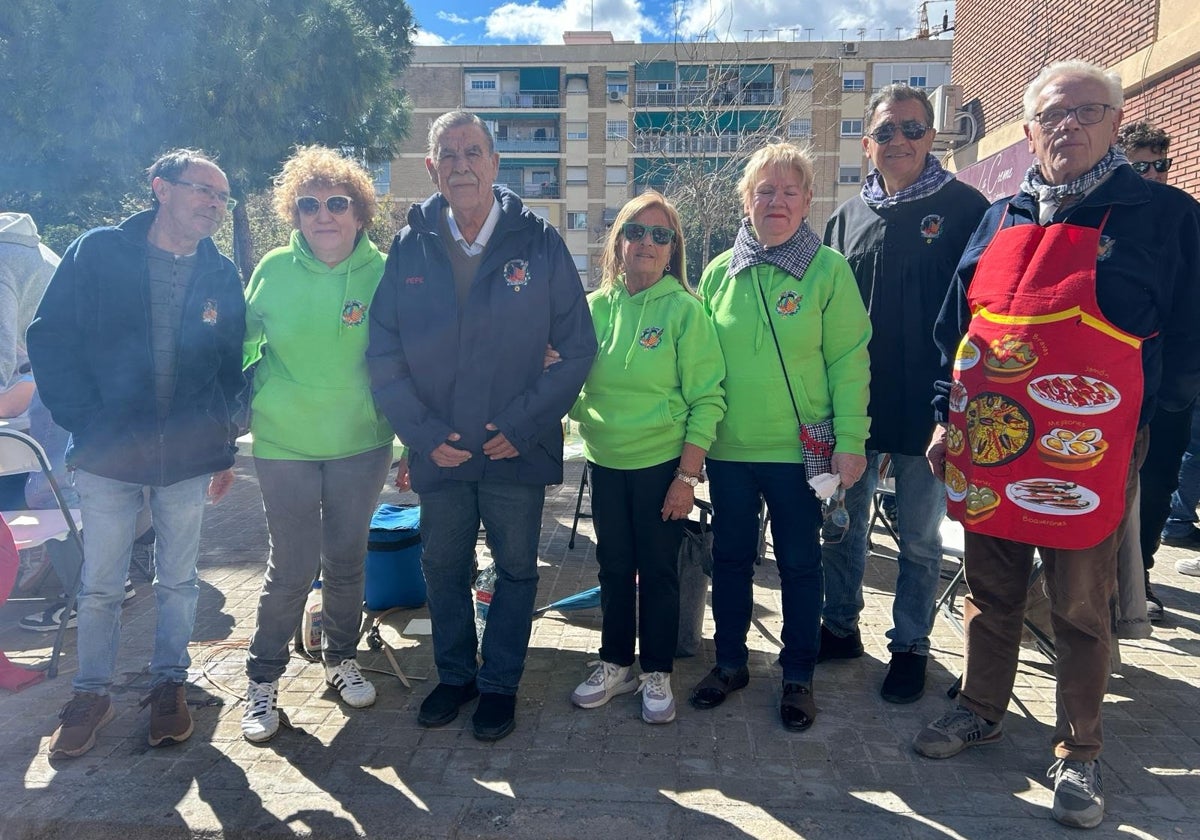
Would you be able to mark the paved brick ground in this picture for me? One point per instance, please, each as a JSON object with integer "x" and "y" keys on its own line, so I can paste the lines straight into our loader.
{"x": 569, "y": 773}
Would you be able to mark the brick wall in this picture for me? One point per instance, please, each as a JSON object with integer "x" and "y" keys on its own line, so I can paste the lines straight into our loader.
{"x": 1172, "y": 105}
{"x": 999, "y": 47}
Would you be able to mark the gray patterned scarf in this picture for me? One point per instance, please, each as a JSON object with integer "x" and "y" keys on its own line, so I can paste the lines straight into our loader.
{"x": 1036, "y": 186}
{"x": 933, "y": 177}
{"x": 792, "y": 256}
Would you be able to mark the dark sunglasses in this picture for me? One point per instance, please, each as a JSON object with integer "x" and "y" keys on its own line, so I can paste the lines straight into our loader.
{"x": 336, "y": 204}
{"x": 911, "y": 129}
{"x": 659, "y": 235}
{"x": 1141, "y": 167}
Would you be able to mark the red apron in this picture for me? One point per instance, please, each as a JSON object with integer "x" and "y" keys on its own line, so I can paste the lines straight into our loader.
{"x": 1045, "y": 396}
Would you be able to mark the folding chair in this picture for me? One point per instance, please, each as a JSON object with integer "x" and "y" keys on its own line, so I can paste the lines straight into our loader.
{"x": 20, "y": 453}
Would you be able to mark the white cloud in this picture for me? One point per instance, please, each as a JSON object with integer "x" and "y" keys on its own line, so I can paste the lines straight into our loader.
{"x": 424, "y": 38}
{"x": 450, "y": 17}
{"x": 546, "y": 25}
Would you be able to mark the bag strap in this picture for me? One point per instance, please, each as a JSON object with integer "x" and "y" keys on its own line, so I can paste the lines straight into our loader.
{"x": 778, "y": 352}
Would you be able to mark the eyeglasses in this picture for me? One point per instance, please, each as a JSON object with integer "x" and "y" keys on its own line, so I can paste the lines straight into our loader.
{"x": 206, "y": 191}
{"x": 1088, "y": 114}
{"x": 335, "y": 204}
{"x": 1141, "y": 167}
{"x": 911, "y": 129}
{"x": 835, "y": 516}
{"x": 635, "y": 233}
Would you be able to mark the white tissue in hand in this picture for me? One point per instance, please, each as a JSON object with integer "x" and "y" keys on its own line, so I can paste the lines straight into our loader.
{"x": 825, "y": 485}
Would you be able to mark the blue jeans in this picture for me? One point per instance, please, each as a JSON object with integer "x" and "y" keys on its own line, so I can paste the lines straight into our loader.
{"x": 450, "y": 520}
{"x": 1184, "y": 500}
{"x": 795, "y": 527}
{"x": 921, "y": 507}
{"x": 319, "y": 516}
{"x": 110, "y": 511}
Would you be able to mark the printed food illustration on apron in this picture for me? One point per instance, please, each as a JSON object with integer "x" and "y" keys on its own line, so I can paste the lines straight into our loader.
{"x": 1045, "y": 395}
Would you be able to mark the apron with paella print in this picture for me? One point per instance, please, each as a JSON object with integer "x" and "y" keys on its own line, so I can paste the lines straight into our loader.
{"x": 1045, "y": 395}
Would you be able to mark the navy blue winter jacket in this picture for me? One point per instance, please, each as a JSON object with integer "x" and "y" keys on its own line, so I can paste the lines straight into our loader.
{"x": 436, "y": 369}
{"x": 90, "y": 348}
{"x": 1147, "y": 281}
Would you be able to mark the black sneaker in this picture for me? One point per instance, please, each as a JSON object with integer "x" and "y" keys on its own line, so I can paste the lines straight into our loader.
{"x": 47, "y": 620}
{"x": 1189, "y": 539}
{"x": 441, "y": 706}
{"x": 834, "y": 646}
{"x": 1154, "y": 604}
{"x": 1078, "y": 793}
{"x": 495, "y": 717}
{"x": 905, "y": 680}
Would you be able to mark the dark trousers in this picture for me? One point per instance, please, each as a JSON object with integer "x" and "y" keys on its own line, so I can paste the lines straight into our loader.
{"x": 1170, "y": 432}
{"x": 639, "y": 564}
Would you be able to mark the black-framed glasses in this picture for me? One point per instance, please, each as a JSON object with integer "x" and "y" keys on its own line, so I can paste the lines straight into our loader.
{"x": 206, "y": 191}
{"x": 1088, "y": 114}
{"x": 911, "y": 129}
{"x": 1141, "y": 167}
{"x": 310, "y": 205}
{"x": 658, "y": 234}
{"x": 836, "y": 518}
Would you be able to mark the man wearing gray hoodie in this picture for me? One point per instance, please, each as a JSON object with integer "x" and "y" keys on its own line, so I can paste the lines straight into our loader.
{"x": 26, "y": 266}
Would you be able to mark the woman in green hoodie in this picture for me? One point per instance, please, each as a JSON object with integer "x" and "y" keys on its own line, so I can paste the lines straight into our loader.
{"x": 321, "y": 448}
{"x": 647, "y": 414}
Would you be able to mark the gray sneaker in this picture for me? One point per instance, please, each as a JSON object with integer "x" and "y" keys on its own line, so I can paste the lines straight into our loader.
{"x": 605, "y": 683}
{"x": 658, "y": 703}
{"x": 953, "y": 732}
{"x": 1078, "y": 793}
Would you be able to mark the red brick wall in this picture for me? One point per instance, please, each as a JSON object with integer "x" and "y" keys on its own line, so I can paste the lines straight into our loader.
{"x": 1172, "y": 105}
{"x": 999, "y": 47}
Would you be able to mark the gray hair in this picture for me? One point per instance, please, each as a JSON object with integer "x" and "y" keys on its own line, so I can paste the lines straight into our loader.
{"x": 1081, "y": 69}
{"x": 898, "y": 93}
{"x": 170, "y": 166}
{"x": 453, "y": 119}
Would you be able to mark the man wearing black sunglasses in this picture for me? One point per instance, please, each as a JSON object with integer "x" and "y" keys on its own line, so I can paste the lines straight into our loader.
{"x": 1146, "y": 148}
{"x": 475, "y": 288}
{"x": 902, "y": 236}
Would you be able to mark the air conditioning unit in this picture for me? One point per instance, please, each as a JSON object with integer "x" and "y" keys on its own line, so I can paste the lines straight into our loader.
{"x": 849, "y": 48}
{"x": 947, "y": 102}
{"x": 614, "y": 96}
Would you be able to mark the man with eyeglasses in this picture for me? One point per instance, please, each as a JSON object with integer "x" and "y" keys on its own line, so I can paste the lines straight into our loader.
{"x": 137, "y": 346}
{"x": 1070, "y": 318}
{"x": 475, "y": 288}
{"x": 902, "y": 235}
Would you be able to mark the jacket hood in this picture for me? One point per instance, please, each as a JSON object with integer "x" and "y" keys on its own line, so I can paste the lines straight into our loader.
{"x": 364, "y": 253}
{"x": 19, "y": 229}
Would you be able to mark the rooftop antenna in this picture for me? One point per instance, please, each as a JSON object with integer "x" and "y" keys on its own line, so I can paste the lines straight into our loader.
{"x": 899, "y": 29}
{"x": 764, "y": 34}
{"x": 843, "y": 31}
{"x": 809, "y": 30}
{"x": 795, "y": 32}
{"x": 748, "y": 31}
{"x": 880, "y": 31}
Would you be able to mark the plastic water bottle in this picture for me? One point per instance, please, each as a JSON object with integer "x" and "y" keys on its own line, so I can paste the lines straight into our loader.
{"x": 313, "y": 621}
{"x": 485, "y": 585}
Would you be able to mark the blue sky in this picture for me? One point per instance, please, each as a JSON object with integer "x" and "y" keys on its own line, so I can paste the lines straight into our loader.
{"x": 490, "y": 22}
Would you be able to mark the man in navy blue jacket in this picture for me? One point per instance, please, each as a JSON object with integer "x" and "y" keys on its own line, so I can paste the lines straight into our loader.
{"x": 475, "y": 288}
{"x": 137, "y": 348}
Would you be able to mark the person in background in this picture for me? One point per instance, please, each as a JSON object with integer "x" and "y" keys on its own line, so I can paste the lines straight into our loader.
{"x": 322, "y": 449}
{"x": 794, "y": 334}
{"x": 647, "y": 414}
{"x": 475, "y": 288}
{"x": 903, "y": 236}
{"x": 1086, "y": 280}
{"x": 137, "y": 346}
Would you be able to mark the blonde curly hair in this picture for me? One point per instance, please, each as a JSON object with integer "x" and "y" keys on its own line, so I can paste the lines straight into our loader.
{"x": 319, "y": 166}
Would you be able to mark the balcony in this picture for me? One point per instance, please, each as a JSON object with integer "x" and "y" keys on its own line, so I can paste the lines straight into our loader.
{"x": 532, "y": 190}
{"x": 496, "y": 99}
{"x": 675, "y": 144}
{"x": 715, "y": 98}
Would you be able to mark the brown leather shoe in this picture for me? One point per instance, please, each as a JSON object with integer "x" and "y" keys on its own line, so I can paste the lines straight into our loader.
{"x": 798, "y": 708}
{"x": 81, "y": 719}
{"x": 170, "y": 719}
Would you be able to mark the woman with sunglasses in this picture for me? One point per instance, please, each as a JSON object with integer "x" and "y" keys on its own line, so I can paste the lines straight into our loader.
{"x": 647, "y": 413}
{"x": 794, "y": 333}
{"x": 321, "y": 447}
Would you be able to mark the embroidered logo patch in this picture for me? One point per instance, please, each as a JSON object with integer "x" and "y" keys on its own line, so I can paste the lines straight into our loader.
{"x": 1105, "y": 248}
{"x": 354, "y": 313}
{"x": 516, "y": 274}
{"x": 931, "y": 227}
{"x": 651, "y": 337}
{"x": 416, "y": 280}
{"x": 208, "y": 314}
{"x": 788, "y": 303}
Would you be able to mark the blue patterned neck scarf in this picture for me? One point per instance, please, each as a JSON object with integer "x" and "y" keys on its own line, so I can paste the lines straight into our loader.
{"x": 793, "y": 256}
{"x": 1036, "y": 186}
{"x": 933, "y": 177}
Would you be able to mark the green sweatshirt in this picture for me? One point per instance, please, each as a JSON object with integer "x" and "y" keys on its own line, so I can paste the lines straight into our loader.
{"x": 306, "y": 326}
{"x": 823, "y": 332}
{"x": 656, "y": 381}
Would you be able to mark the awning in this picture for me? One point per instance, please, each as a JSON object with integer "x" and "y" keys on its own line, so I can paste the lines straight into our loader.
{"x": 654, "y": 71}
{"x": 535, "y": 79}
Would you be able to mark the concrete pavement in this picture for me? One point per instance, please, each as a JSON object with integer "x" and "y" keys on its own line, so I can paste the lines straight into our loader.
{"x": 568, "y": 773}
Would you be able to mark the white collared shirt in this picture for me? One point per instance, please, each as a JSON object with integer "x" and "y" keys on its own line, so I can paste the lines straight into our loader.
{"x": 475, "y": 248}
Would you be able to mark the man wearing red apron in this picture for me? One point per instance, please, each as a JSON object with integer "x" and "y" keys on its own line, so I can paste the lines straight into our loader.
{"x": 1068, "y": 321}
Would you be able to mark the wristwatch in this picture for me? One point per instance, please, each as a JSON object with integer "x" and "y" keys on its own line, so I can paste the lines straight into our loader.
{"x": 687, "y": 478}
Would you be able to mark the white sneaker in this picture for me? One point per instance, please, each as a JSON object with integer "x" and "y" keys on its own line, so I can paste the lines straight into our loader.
{"x": 658, "y": 704}
{"x": 605, "y": 683}
{"x": 357, "y": 692}
{"x": 260, "y": 721}
{"x": 1188, "y": 566}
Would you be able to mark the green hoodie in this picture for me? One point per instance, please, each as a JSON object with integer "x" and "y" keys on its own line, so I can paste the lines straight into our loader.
{"x": 656, "y": 381}
{"x": 306, "y": 326}
{"x": 823, "y": 332}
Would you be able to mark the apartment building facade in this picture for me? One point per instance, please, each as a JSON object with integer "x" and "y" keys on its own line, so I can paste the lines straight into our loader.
{"x": 584, "y": 126}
